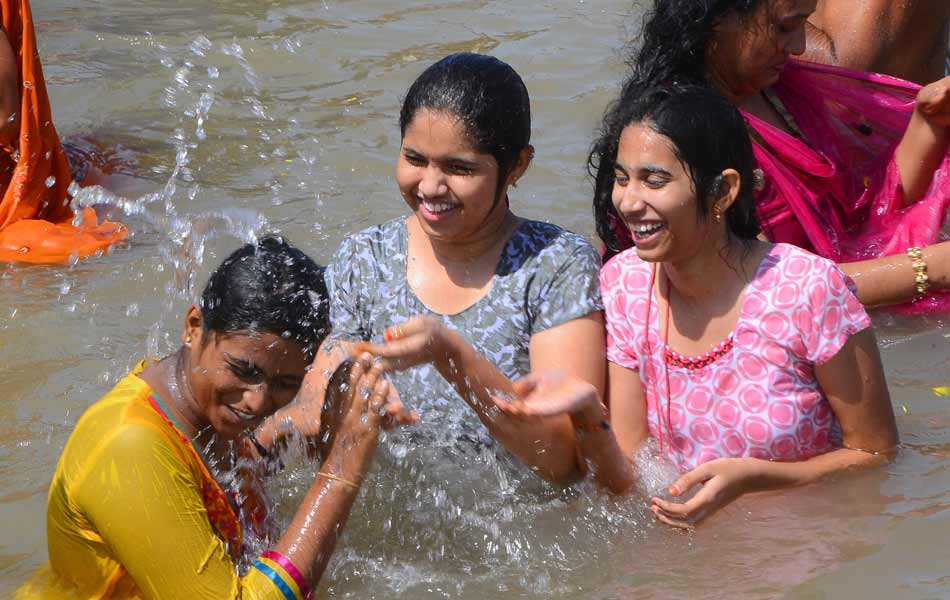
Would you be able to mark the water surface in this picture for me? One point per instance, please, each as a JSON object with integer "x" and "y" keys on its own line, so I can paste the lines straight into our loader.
{"x": 280, "y": 116}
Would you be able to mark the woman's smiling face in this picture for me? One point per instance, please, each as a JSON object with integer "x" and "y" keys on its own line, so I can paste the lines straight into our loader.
{"x": 238, "y": 379}
{"x": 452, "y": 189}
{"x": 656, "y": 198}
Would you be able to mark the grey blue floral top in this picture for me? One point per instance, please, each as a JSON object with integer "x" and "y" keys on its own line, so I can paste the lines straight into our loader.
{"x": 546, "y": 276}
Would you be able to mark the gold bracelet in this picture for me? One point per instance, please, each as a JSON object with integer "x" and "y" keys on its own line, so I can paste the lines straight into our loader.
{"x": 921, "y": 279}
{"x": 333, "y": 477}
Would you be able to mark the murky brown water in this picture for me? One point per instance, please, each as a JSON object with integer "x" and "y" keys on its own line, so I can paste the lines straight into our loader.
{"x": 296, "y": 133}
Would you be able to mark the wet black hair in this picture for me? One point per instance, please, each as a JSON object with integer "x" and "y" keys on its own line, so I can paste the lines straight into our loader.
{"x": 675, "y": 37}
{"x": 268, "y": 286}
{"x": 708, "y": 136}
{"x": 488, "y": 97}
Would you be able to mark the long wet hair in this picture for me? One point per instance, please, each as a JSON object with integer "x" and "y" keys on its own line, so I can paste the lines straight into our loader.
{"x": 269, "y": 286}
{"x": 708, "y": 136}
{"x": 675, "y": 38}
{"x": 487, "y": 96}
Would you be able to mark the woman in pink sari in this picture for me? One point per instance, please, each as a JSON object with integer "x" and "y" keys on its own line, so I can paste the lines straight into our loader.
{"x": 854, "y": 165}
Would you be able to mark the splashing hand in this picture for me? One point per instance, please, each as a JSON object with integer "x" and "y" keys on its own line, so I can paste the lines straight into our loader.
{"x": 933, "y": 102}
{"x": 722, "y": 480}
{"x": 551, "y": 393}
{"x": 419, "y": 340}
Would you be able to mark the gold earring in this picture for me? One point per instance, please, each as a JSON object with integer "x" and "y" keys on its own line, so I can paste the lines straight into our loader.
{"x": 514, "y": 183}
{"x": 717, "y": 214}
{"x": 188, "y": 340}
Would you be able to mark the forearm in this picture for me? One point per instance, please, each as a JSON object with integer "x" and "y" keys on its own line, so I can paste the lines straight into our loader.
{"x": 318, "y": 522}
{"x": 611, "y": 469}
{"x": 544, "y": 444}
{"x": 768, "y": 475}
{"x": 919, "y": 154}
{"x": 891, "y": 279}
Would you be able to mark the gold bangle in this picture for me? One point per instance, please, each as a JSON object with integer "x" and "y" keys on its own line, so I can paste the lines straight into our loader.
{"x": 921, "y": 279}
{"x": 333, "y": 477}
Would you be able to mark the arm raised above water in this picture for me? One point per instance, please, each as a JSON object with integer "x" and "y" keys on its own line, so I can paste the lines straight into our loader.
{"x": 546, "y": 444}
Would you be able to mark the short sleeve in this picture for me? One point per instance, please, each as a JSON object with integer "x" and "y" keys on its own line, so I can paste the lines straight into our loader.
{"x": 572, "y": 290}
{"x": 343, "y": 276}
{"x": 835, "y": 311}
{"x": 152, "y": 516}
{"x": 617, "y": 313}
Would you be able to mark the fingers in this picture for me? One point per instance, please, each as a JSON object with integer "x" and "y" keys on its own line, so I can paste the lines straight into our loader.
{"x": 378, "y": 397}
{"x": 685, "y": 515}
{"x": 678, "y": 523}
{"x": 406, "y": 329}
{"x": 527, "y": 384}
{"x": 511, "y": 407}
{"x": 689, "y": 479}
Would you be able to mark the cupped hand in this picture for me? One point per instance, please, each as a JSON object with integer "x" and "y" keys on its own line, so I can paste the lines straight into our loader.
{"x": 933, "y": 102}
{"x": 421, "y": 339}
{"x": 722, "y": 480}
{"x": 305, "y": 416}
{"x": 551, "y": 393}
{"x": 357, "y": 405}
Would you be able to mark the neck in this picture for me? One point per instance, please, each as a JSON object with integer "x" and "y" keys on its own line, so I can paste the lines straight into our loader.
{"x": 183, "y": 403}
{"x": 734, "y": 94}
{"x": 707, "y": 274}
{"x": 482, "y": 242}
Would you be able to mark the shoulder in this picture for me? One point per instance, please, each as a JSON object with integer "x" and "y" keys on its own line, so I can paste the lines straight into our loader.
{"x": 374, "y": 237}
{"x": 552, "y": 242}
{"x": 123, "y": 428}
{"x": 786, "y": 262}
{"x": 361, "y": 250}
{"x": 626, "y": 272}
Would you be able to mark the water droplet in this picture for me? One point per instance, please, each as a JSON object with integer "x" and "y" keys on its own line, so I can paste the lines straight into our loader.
{"x": 65, "y": 287}
{"x": 28, "y": 85}
{"x": 50, "y": 181}
{"x": 213, "y": 72}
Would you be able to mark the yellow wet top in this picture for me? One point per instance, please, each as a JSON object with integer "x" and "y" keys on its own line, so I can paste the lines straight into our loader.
{"x": 127, "y": 517}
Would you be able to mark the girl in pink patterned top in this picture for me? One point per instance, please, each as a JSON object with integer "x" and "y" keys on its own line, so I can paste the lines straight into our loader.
{"x": 752, "y": 364}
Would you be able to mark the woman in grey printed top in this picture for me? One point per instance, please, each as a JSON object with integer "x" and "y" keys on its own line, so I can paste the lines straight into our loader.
{"x": 462, "y": 297}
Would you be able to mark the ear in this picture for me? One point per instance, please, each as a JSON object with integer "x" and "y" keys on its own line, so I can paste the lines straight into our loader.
{"x": 192, "y": 334}
{"x": 729, "y": 185}
{"x": 521, "y": 165}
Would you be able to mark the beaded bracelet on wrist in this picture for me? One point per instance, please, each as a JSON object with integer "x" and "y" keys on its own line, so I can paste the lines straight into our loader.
{"x": 921, "y": 279}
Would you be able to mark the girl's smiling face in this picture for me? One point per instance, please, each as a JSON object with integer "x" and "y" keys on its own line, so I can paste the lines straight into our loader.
{"x": 452, "y": 189}
{"x": 655, "y": 197}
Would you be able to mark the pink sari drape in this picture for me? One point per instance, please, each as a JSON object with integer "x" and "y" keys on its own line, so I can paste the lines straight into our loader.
{"x": 839, "y": 195}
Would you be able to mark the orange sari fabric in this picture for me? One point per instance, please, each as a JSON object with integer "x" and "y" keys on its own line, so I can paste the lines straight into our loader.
{"x": 37, "y": 224}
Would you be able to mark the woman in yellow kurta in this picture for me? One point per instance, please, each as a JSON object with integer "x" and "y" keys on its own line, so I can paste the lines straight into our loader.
{"x": 136, "y": 507}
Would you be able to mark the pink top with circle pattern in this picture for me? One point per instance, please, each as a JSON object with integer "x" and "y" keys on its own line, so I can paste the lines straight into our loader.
{"x": 761, "y": 398}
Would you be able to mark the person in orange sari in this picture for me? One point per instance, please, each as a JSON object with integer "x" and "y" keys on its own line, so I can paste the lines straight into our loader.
{"x": 37, "y": 223}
